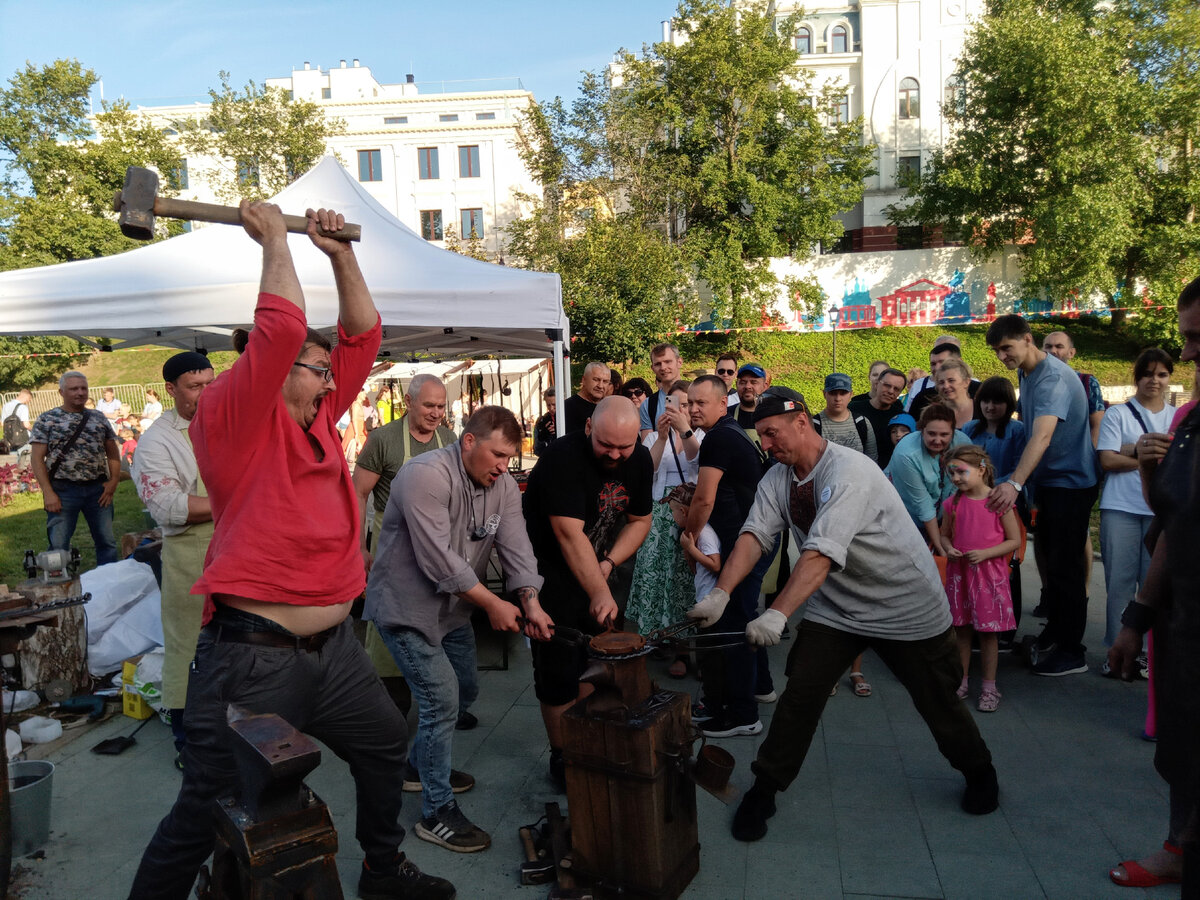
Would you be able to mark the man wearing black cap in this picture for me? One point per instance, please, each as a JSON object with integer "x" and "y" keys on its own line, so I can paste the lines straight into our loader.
{"x": 168, "y": 482}
{"x": 865, "y": 581}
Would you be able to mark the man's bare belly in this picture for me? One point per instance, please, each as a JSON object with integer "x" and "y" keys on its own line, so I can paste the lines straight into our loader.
{"x": 301, "y": 620}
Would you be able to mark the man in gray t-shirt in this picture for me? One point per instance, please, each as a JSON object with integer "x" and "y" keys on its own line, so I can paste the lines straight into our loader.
{"x": 865, "y": 579}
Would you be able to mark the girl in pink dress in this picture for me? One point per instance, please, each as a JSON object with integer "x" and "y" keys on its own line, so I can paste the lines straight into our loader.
{"x": 978, "y": 543}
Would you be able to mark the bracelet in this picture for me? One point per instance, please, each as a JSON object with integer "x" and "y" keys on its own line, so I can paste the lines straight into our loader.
{"x": 609, "y": 560}
{"x": 1135, "y": 449}
{"x": 1138, "y": 616}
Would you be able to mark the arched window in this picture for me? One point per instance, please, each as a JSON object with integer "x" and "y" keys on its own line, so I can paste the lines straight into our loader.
{"x": 910, "y": 98}
{"x": 955, "y": 97}
{"x": 804, "y": 40}
{"x": 839, "y": 39}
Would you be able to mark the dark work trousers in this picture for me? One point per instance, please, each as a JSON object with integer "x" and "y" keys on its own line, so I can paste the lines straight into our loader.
{"x": 1063, "y": 515}
{"x": 730, "y": 677}
{"x": 332, "y": 694}
{"x": 929, "y": 669}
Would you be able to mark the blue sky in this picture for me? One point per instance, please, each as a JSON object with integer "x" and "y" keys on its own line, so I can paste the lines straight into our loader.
{"x": 171, "y": 51}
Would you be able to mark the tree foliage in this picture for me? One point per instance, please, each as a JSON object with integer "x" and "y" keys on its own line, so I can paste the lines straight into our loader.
{"x": 258, "y": 140}
{"x": 1074, "y": 139}
{"x": 749, "y": 158}
{"x": 26, "y": 362}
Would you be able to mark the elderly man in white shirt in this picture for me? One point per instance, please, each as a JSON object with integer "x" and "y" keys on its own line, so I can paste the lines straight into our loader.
{"x": 168, "y": 482}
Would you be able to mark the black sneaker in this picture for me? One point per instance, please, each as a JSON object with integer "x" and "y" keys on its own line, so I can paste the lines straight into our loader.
{"x": 1059, "y": 662}
{"x": 460, "y": 782}
{"x": 404, "y": 882}
{"x": 558, "y": 770}
{"x": 721, "y": 728}
{"x": 750, "y": 820}
{"x": 452, "y": 830}
{"x": 982, "y": 793}
{"x": 465, "y": 722}
{"x": 700, "y": 712}
{"x": 1041, "y": 648}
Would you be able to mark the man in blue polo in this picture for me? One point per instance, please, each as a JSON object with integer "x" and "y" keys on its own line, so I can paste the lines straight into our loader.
{"x": 1059, "y": 469}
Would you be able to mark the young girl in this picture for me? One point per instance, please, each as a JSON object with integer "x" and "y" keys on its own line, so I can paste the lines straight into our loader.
{"x": 977, "y": 544}
{"x": 994, "y": 428}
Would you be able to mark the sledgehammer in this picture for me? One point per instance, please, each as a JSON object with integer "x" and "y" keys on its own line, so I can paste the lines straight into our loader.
{"x": 138, "y": 203}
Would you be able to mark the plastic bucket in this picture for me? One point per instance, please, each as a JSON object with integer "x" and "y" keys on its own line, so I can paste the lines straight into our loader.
{"x": 29, "y": 784}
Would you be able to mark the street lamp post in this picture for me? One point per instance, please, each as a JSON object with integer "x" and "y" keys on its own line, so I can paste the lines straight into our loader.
{"x": 833, "y": 324}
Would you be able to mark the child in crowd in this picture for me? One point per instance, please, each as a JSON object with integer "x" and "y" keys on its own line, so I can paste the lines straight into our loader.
{"x": 977, "y": 543}
{"x": 703, "y": 554}
{"x": 901, "y": 425}
{"x": 128, "y": 445}
{"x": 994, "y": 429}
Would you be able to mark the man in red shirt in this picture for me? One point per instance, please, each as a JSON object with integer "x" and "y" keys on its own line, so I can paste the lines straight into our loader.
{"x": 282, "y": 570}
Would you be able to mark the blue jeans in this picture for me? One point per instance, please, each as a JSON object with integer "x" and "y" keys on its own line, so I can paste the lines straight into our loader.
{"x": 82, "y": 497}
{"x": 1126, "y": 561}
{"x": 443, "y": 681}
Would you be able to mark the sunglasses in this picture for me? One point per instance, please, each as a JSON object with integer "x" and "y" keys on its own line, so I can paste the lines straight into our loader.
{"x": 636, "y": 392}
{"x": 726, "y": 372}
{"x": 325, "y": 372}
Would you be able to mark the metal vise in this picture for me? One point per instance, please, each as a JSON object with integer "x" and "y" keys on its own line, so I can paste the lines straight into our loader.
{"x": 276, "y": 841}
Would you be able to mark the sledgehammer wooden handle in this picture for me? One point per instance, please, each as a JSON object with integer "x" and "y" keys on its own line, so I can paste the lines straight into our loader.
{"x": 232, "y": 215}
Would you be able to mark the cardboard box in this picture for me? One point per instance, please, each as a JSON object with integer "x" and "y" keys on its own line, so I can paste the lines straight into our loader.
{"x": 133, "y": 704}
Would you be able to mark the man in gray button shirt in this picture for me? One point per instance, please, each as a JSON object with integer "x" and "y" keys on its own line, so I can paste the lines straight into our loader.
{"x": 447, "y": 510}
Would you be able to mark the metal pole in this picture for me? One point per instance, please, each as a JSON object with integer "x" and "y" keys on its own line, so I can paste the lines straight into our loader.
{"x": 833, "y": 323}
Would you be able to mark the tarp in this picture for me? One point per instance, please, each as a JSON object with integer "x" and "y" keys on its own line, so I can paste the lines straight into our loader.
{"x": 192, "y": 290}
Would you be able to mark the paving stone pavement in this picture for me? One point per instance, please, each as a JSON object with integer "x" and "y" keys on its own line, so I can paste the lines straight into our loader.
{"x": 873, "y": 814}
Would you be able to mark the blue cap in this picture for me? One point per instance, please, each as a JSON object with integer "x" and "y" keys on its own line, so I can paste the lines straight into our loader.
{"x": 838, "y": 381}
{"x": 903, "y": 419}
{"x": 752, "y": 369}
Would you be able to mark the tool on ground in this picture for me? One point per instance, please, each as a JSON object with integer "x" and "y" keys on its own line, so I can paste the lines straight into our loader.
{"x": 57, "y": 690}
{"x": 558, "y": 833}
{"x": 276, "y": 839}
{"x": 85, "y": 703}
{"x": 118, "y": 745}
{"x": 138, "y": 204}
{"x": 538, "y": 865}
{"x": 52, "y": 566}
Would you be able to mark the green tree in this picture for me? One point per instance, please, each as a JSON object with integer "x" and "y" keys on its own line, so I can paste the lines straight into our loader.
{"x": 1074, "y": 140}
{"x": 26, "y": 362}
{"x": 259, "y": 139}
{"x": 749, "y": 159}
{"x": 472, "y": 246}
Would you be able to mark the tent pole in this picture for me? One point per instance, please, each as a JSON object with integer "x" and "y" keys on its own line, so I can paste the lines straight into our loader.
{"x": 562, "y": 385}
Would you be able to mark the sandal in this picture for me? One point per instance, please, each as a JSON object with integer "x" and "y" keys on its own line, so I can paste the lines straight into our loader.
{"x": 1136, "y": 875}
{"x": 678, "y": 669}
{"x": 861, "y": 687}
{"x": 989, "y": 701}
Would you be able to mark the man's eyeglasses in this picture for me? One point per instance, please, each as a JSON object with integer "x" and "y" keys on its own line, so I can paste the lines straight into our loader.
{"x": 726, "y": 371}
{"x": 325, "y": 372}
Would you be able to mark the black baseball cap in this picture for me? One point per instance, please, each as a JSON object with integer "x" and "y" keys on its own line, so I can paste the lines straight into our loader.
{"x": 777, "y": 400}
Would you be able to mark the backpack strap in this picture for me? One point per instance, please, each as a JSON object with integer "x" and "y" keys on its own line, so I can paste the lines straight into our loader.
{"x": 1137, "y": 415}
{"x": 860, "y": 422}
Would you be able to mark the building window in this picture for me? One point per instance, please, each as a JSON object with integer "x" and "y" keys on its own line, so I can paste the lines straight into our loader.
{"x": 448, "y": 117}
{"x": 431, "y": 224}
{"x": 177, "y": 179}
{"x": 247, "y": 173}
{"x": 395, "y": 120}
{"x": 804, "y": 40}
{"x": 468, "y": 161}
{"x": 368, "y": 166}
{"x": 908, "y": 169}
{"x": 910, "y": 98}
{"x": 955, "y": 96}
{"x": 484, "y": 117}
{"x": 839, "y": 39}
{"x": 472, "y": 224}
{"x": 326, "y": 93}
{"x": 427, "y": 163}
{"x": 910, "y": 237}
{"x": 841, "y": 111}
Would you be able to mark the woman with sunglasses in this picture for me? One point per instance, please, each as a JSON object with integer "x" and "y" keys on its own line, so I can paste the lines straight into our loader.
{"x": 637, "y": 390}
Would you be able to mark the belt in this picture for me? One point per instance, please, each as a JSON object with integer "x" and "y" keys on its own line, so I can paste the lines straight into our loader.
{"x": 308, "y": 643}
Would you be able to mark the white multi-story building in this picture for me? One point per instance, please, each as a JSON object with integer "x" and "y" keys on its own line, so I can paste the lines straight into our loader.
{"x": 896, "y": 61}
{"x": 437, "y": 161}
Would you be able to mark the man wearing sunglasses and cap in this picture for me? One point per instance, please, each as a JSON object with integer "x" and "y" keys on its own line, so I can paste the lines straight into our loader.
{"x": 448, "y": 509}
{"x": 865, "y": 580}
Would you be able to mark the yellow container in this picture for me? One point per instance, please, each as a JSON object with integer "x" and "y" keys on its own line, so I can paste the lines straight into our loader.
{"x": 133, "y": 704}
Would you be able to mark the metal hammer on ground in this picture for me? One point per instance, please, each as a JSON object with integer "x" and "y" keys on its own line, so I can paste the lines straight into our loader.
{"x": 138, "y": 203}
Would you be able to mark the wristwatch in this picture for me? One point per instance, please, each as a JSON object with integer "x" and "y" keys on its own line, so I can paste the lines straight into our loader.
{"x": 687, "y": 434}
{"x": 1020, "y": 487}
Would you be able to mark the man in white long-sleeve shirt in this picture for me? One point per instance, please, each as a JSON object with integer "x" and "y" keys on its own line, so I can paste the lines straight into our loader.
{"x": 168, "y": 482}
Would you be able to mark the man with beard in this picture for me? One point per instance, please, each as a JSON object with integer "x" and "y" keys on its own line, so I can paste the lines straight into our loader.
{"x": 583, "y": 488}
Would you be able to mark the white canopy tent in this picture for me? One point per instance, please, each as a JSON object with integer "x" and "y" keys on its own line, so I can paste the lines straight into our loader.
{"x": 193, "y": 290}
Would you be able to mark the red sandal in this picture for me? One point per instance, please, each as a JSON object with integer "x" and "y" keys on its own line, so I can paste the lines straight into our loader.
{"x": 1138, "y": 876}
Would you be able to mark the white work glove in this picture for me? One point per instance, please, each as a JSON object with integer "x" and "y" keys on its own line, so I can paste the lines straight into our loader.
{"x": 710, "y": 607}
{"x": 767, "y": 629}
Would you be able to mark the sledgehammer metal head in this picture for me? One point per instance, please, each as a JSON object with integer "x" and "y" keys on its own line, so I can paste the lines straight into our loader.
{"x": 139, "y": 204}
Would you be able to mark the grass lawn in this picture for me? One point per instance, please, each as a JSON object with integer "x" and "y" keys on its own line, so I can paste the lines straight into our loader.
{"x": 23, "y": 527}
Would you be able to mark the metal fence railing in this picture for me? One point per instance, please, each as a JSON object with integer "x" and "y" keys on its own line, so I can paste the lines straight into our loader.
{"x": 132, "y": 394}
